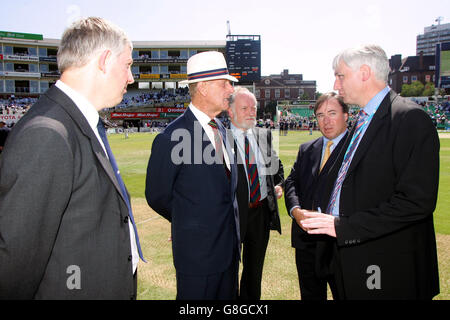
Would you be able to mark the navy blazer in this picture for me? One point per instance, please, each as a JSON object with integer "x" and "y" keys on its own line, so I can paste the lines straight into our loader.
{"x": 195, "y": 195}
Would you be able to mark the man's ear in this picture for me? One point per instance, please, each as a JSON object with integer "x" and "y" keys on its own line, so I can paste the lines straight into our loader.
{"x": 230, "y": 112}
{"x": 103, "y": 60}
{"x": 202, "y": 88}
{"x": 366, "y": 72}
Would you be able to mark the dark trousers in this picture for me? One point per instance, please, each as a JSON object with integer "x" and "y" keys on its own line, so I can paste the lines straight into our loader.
{"x": 219, "y": 286}
{"x": 254, "y": 251}
{"x": 312, "y": 287}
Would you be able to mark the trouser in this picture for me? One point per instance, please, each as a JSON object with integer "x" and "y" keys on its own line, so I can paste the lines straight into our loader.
{"x": 218, "y": 286}
{"x": 312, "y": 287}
{"x": 254, "y": 252}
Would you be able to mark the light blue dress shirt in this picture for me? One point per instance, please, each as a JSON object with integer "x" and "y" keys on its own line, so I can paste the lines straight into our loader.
{"x": 370, "y": 109}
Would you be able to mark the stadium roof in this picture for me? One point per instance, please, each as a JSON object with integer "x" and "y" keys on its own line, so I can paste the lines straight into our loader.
{"x": 179, "y": 44}
{"x": 44, "y": 42}
{"x": 137, "y": 44}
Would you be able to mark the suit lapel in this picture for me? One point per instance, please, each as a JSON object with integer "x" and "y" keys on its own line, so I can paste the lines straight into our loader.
{"x": 198, "y": 135}
{"x": 264, "y": 145}
{"x": 334, "y": 155}
{"x": 55, "y": 94}
{"x": 316, "y": 157}
{"x": 371, "y": 132}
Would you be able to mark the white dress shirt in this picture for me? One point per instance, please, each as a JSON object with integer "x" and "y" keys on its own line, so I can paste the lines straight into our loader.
{"x": 204, "y": 119}
{"x": 239, "y": 136}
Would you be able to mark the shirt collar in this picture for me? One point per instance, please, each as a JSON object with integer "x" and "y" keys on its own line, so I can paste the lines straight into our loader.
{"x": 86, "y": 108}
{"x": 373, "y": 104}
{"x": 335, "y": 140}
{"x": 237, "y": 131}
{"x": 202, "y": 117}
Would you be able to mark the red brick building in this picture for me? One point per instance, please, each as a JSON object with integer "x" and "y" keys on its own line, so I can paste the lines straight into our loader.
{"x": 414, "y": 68}
{"x": 284, "y": 86}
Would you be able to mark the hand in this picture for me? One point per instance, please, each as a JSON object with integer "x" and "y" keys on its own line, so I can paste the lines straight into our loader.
{"x": 318, "y": 223}
{"x": 299, "y": 215}
{"x": 278, "y": 192}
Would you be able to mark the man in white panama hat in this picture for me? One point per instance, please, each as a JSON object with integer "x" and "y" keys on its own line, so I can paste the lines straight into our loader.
{"x": 191, "y": 181}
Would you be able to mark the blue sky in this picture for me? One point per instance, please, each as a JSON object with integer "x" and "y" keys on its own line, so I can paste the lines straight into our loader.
{"x": 302, "y": 36}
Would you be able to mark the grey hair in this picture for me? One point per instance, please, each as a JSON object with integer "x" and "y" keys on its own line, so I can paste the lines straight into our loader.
{"x": 371, "y": 55}
{"x": 240, "y": 90}
{"x": 85, "y": 37}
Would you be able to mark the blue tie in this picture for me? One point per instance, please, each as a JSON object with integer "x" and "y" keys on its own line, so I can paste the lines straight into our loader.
{"x": 362, "y": 122}
{"x": 112, "y": 160}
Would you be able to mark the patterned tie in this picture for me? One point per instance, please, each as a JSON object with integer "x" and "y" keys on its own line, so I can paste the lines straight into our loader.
{"x": 112, "y": 160}
{"x": 362, "y": 121}
{"x": 326, "y": 155}
{"x": 218, "y": 145}
{"x": 252, "y": 173}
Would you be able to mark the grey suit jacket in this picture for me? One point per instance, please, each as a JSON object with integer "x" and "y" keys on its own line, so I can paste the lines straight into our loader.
{"x": 274, "y": 173}
{"x": 64, "y": 232}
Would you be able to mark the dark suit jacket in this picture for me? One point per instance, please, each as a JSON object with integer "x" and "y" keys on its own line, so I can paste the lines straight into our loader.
{"x": 304, "y": 185}
{"x": 61, "y": 206}
{"x": 386, "y": 206}
{"x": 275, "y": 177}
{"x": 195, "y": 195}
{"x": 3, "y": 135}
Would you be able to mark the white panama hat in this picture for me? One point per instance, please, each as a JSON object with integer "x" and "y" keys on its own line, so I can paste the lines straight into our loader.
{"x": 206, "y": 66}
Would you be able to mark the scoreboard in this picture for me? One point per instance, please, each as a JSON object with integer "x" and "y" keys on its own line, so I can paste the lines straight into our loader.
{"x": 243, "y": 54}
{"x": 443, "y": 65}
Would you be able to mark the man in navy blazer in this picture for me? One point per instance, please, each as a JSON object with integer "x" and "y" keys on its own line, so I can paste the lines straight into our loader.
{"x": 382, "y": 190}
{"x": 303, "y": 191}
{"x": 193, "y": 188}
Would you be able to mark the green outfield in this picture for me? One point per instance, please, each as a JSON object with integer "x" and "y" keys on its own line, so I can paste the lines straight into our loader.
{"x": 157, "y": 277}
{"x": 445, "y": 63}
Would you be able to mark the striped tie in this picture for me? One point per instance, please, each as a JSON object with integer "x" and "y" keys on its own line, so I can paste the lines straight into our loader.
{"x": 362, "y": 121}
{"x": 252, "y": 173}
{"x": 218, "y": 145}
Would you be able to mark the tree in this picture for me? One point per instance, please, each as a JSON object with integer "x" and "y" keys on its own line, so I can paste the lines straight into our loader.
{"x": 429, "y": 89}
{"x": 415, "y": 89}
{"x": 406, "y": 90}
{"x": 305, "y": 96}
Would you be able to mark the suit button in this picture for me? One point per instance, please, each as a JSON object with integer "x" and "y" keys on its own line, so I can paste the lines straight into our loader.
{"x": 125, "y": 220}
{"x": 130, "y": 257}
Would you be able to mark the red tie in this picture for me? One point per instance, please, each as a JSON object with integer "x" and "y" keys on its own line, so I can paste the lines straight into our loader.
{"x": 218, "y": 144}
{"x": 252, "y": 173}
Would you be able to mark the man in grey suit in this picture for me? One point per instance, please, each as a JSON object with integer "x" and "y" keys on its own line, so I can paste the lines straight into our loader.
{"x": 66, "y": 226}
{"x": 260, "y": 185}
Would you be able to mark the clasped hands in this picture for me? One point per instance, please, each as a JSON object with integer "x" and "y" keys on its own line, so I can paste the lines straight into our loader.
{"x": 315, "y": 222}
